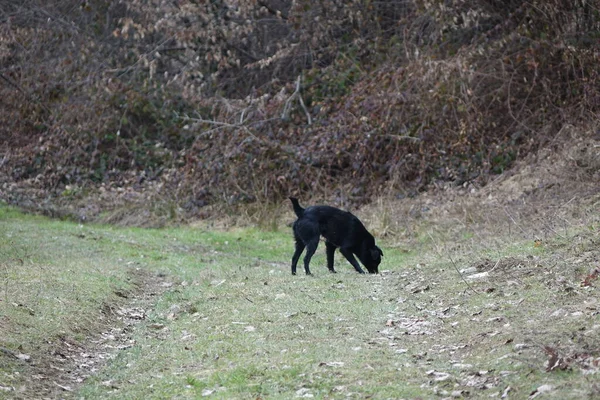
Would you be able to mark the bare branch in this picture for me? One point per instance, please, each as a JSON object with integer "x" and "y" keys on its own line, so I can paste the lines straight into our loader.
{"x": 286, "y": 108}
{"x": 453, "y": 263}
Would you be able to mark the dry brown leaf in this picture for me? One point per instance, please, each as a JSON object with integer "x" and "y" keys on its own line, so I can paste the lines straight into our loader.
{"x": 555, "y": 361}
{"x": 540, "y": 390}
{"x": 587, "y": 281}
{"x": 332, "y": 364}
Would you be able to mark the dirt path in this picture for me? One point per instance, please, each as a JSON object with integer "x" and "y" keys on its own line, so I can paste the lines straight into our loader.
{"x": 65, "y": 364}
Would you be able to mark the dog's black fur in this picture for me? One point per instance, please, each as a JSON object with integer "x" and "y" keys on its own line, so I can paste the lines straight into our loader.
{"x": 341, "y": 230}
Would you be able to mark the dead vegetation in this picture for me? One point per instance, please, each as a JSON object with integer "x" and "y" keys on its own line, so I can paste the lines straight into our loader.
{"x": 178, "y": 111}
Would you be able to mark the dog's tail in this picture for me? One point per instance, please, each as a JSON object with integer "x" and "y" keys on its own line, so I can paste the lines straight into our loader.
{"x": 297, "y": 209}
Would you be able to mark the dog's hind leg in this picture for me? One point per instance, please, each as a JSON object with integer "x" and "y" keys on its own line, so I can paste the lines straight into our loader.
{"x": 350, "y": 257}
{"x": 299, "y": 249}
{"x": 311, "y": 247}
{"x": 330, "y": 252}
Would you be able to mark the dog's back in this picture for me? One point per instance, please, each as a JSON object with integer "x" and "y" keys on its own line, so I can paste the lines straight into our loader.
{"x": 339, "y": 227}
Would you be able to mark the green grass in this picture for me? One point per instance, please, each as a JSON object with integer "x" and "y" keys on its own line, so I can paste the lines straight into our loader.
{"x": 236, "y": 324}
{"x": 50, "y": 274}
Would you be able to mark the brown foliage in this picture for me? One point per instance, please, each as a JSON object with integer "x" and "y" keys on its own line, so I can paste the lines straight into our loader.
{"x": 393, "y": 95}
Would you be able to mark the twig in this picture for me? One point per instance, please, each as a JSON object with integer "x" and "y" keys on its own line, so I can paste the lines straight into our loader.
{"x": 453, "y": 264}
{"x": 122, "y": 71}
{"x": 514, "y": 222}
{"x": 8, "y": 352}
{"x": 273, "y": 11}
{"x": 4, "y": 159}
{"x": 510, "y": 111}
{"x": 220, "y": 125}
{"x": 286, "y": 108}
{"x": 497, "y": 262}
{"x": 28, "y": 95}
{"x": 400, "y": 137}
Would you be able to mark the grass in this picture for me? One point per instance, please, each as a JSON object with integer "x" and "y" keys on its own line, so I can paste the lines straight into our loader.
{"x": 233, "y": 322}
{"x": 50, "y": 280}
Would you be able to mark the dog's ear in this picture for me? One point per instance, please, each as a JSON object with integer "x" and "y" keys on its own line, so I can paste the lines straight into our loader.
{"x": 376, "y": 252}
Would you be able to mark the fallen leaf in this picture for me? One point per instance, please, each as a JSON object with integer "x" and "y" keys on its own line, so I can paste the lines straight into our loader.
{"x": 590, "y": 278}
{"x": 419, "y": 289}
{"x": 482, "y": 275}
{"x": 185, "y": 335}
{"x": 304, "y": 392}
{"x": 438, "y": 376}
{"x": 462, "y": 366}
{"x": 540, "y": 390}
{"x": 555, "y": 362}
{"x": 468, "y": 271}
{"x": 65, "y": 388}
{"x": 331, "y": 364}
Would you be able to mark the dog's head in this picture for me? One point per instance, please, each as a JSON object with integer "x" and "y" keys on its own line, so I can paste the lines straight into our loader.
{"x": 373, "y": 259}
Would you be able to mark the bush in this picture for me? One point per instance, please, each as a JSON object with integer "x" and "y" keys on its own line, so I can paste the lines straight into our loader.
{"x": 254, "y": 100}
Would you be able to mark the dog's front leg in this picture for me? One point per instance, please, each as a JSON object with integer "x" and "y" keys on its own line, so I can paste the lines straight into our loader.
{"x": 330, "y": 252}
{"x": 350, "y": 257}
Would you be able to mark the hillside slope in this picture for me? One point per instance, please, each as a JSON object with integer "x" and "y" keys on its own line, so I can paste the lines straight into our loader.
{"x": 174, "y": 111}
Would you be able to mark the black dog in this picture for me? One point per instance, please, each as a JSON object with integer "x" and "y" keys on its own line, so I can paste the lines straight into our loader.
{"x": 340, "y": 229}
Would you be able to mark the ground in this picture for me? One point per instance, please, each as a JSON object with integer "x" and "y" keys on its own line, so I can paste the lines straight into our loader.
{"x": 484, "y": 292}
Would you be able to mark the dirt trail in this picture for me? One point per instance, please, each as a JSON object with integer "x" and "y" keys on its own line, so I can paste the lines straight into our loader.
{"x": 57, "y": 372}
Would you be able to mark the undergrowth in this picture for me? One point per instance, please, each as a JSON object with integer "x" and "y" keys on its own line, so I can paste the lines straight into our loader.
{"x": 389, "y": 97}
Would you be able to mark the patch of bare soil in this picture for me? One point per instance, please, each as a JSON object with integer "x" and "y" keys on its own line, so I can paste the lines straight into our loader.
{"x": 66, "y": 362}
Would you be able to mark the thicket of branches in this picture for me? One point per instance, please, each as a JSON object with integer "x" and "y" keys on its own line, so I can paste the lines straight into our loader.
{"x": 253, "y": 100}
